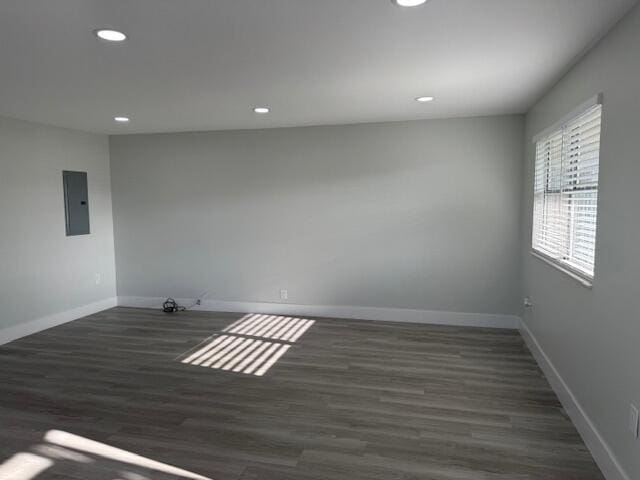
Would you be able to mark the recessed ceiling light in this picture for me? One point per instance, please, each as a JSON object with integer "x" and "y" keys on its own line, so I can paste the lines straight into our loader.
{"x": 261, "y": 110}
{"x": 408, "y": 3}
{"x": 110, "y": 35}
{"x": 121, "y": 119}
{"x": 425, "y": 99}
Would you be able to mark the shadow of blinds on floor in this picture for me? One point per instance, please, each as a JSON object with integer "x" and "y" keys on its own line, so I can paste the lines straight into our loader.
{"x": 249, "y": 345}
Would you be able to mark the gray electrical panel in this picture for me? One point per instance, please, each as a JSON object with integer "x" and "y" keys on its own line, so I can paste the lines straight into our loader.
{"x": 76, "y": 203}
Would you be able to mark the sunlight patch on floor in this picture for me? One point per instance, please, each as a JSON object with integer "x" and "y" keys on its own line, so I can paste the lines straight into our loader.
{"x": 247, "y": 346}
{"x": 275, "y": 327}
{"x": 90, "y": 459}
{"x": 24, "y": 466}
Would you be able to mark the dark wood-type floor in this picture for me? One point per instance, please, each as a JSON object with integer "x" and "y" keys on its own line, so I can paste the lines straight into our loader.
{"x": 351, "y": 400}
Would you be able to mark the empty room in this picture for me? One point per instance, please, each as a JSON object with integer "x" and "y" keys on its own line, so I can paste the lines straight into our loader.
{"x": 319, "y": 239}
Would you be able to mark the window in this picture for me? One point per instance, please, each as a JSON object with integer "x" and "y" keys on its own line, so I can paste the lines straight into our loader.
{"x": 566, "y": 192}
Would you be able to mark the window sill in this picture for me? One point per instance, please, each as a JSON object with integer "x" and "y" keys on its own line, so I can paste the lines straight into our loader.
{"x": 588, "y": 283}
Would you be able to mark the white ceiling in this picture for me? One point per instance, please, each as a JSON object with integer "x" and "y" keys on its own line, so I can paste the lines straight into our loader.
{"x": 203, "y": 64}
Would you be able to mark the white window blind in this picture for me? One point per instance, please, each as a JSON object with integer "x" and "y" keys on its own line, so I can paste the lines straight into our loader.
{"x": 566, "y": 193}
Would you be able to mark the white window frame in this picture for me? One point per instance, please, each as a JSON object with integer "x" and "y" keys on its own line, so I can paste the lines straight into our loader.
{"x": 560, "y": 126}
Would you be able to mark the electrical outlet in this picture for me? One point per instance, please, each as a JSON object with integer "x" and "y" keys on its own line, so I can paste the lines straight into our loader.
{"x": 98, "y": 278}
{"x": 528, "y": 303}
{"x": 633, "y": 420}
{"x": 284, "y": 294}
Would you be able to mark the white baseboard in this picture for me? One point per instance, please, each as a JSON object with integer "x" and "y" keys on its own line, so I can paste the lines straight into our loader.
{"x": 404, "y": 315}
{"x": 602, "y": 453}
{"x": 33, "y": 326}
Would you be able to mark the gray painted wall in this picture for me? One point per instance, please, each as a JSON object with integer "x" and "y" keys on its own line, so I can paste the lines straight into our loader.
{"x": 43, "y": 272}
{"x": 417, "y": 215}
{"x": 593, "y": 336}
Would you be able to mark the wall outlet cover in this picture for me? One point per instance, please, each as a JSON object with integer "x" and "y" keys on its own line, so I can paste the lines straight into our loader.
{"x": 284, "y": 294}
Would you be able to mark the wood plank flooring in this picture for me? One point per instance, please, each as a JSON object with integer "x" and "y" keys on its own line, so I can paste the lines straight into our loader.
{"x": 350, "y": 400}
